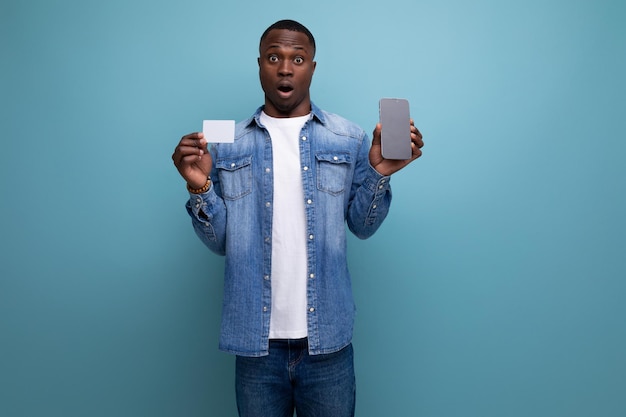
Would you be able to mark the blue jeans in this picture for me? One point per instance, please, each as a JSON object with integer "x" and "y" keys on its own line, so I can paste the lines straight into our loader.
{"x": 290, "y": 379}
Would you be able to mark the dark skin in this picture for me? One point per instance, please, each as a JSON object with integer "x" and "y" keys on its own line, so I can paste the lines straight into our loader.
{"x": 286, "y": 67}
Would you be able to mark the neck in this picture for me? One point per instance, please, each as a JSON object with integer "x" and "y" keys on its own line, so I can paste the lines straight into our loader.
{"x": 302, "y": 109}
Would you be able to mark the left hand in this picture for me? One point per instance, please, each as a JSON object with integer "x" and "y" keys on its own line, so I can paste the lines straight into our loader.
{"x": 390, "y": 166}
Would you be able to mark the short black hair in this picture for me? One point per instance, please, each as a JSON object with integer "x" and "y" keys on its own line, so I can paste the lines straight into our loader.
{"x": 290, "y": 25}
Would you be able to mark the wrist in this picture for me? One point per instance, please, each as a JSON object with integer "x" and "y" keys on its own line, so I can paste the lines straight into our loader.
{"x": 199, "y": 190}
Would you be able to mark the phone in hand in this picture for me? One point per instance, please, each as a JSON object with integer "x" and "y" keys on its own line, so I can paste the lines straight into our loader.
{"x": 396, "y": 128}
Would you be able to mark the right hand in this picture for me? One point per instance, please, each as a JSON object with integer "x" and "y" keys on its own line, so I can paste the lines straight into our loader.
{"x": 193, "y": 160}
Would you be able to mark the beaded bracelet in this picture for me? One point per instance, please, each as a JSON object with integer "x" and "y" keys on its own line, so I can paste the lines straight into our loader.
{"x": 201, "y": 190}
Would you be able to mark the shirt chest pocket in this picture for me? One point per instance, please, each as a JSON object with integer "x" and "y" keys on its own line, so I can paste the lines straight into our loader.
{"x": 235, "y": 176}
{"x": 332, "y": 171}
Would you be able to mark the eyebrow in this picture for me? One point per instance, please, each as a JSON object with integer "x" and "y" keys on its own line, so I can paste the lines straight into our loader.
{"x": 279, "y": 46}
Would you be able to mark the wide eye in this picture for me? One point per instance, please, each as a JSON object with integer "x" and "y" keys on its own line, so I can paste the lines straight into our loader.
{"x": 299, "y": 60}
{"x": 273, "y": 58}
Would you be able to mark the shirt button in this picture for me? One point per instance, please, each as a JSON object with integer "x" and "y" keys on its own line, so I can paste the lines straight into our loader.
{"x": 311, "y": 276}
{"x": 309, "y": 201}
{"x": 374, "y": 206}
{"x": 267, "y": 170}
{"x": 232, "y": 165}
{"x": 311, "y": 237}
{"x": 268, "y": 204}
{"x": 266, "y": 277}
{"x": 264, "y": 308}
{"x": 311, "y": 309}
{"x": 306, "y": 168}
{"x": 380, "y": 187}
{"x": 267, "y": 239}
{"x": 335, "y": 158}
{"x": 303, "y": 137}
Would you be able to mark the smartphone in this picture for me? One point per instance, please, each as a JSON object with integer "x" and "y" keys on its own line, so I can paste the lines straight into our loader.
{"x": 396, "y": 128}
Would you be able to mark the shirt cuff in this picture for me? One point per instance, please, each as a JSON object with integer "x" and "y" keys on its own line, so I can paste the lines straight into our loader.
{"x": 376, "y": 182}
{"x": 199, "y": 203}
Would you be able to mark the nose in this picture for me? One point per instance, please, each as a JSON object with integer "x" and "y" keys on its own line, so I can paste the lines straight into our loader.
{"x": 285, "y": 67}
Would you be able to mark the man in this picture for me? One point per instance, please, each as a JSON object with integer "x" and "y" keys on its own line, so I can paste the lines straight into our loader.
{"x": 275, "y": 203}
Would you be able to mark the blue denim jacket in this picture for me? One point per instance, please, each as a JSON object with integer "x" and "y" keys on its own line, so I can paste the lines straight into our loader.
{"x": 234, "y": 218}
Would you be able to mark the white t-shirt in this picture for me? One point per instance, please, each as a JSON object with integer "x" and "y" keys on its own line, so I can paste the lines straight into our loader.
{"x": 288, "y": 318}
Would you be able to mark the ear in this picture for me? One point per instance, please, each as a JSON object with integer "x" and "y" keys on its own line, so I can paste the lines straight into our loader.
{"x": 258, "y": 61}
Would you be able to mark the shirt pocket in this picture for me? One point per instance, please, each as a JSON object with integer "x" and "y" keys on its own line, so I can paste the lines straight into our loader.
{"x": 332, "y": 171}
{"x": 235, "y": 176}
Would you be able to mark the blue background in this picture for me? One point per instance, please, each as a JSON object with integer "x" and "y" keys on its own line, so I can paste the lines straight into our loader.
{"x": 495, "y": 287}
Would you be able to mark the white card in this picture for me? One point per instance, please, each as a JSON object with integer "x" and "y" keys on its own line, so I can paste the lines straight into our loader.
{"x": 219, "y": 131}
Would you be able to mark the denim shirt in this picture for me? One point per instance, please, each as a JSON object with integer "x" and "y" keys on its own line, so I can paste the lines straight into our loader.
{"x": 234, "y": 218}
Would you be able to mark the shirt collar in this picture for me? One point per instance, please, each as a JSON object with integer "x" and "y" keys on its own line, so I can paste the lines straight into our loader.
{"x": 316, "y": 112}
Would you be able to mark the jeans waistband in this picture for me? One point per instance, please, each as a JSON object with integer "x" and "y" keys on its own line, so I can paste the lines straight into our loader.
{"x": 289, "y": 343}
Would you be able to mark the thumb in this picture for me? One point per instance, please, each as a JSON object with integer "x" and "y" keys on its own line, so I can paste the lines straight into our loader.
{"x": 376, "y": 134}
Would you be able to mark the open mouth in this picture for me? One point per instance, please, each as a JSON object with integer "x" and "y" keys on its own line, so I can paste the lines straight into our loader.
{"x": 285, "y": 88}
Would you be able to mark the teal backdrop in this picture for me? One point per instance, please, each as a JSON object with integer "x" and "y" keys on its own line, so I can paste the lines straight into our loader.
{"x": 495, "y": 287}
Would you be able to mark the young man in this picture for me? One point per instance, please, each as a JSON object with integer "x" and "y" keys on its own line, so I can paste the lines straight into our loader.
{"x": 275, "y": 202}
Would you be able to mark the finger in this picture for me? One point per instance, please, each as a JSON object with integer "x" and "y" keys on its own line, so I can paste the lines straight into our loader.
{"x": 187, "y": 154}
{"x": 194, "y": 135}
{"x": 194, "y": 142}
{"x": 416, "y": 137}
{"x": 415, "y": 150}
{"x": 190, "y": 159}
{"x": 194, "y": 139}
{"x": 190, "y": 148}
{"x": 417, "y": 140}
{"x": 415, "y": 131}
{"x": 190, "y": 144}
